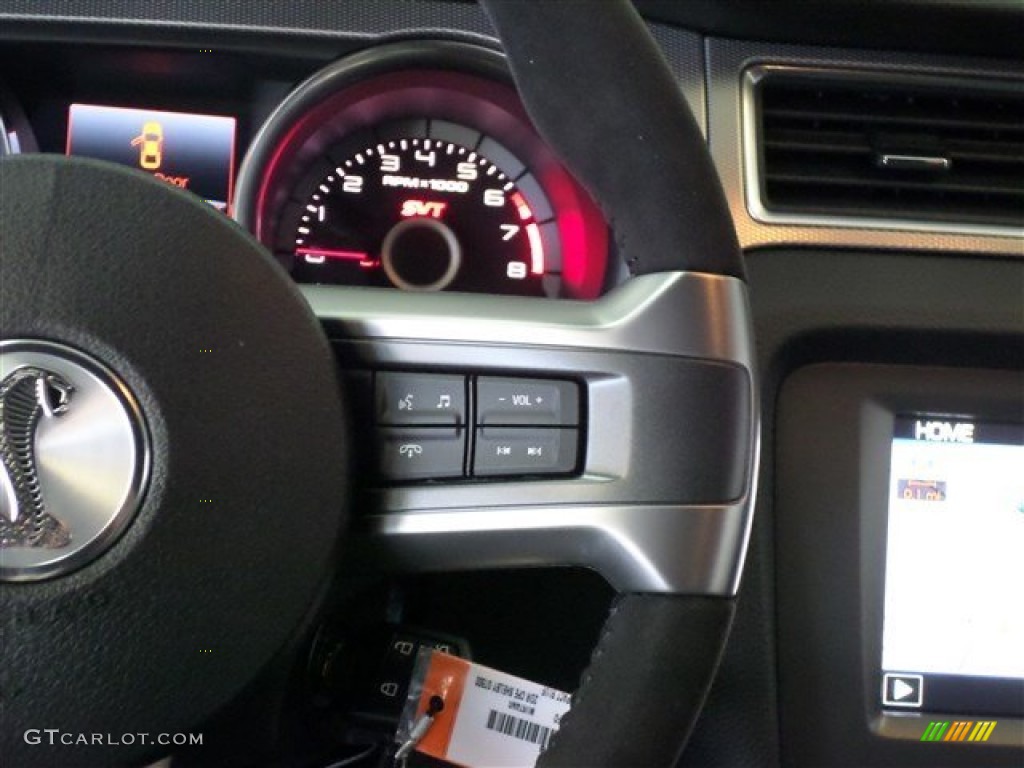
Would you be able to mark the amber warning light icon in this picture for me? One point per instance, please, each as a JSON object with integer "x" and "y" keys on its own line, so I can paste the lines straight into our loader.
{"x": 190, "y": 151}
{"x": 151, "y": 146}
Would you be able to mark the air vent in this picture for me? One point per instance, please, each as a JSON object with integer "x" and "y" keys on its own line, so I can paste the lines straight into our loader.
{"x": 890, "y": 149}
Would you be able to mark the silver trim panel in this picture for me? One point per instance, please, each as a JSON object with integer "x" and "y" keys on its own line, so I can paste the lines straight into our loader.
{"x": 753, "y": 76}
{"x": 636, "y": 548}
{"x": 620, "y": 517}
{"x": 672, "y": 313}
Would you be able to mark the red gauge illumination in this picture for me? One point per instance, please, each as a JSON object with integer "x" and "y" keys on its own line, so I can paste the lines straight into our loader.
{"x": 426, "y": 181}
{"x": 475, "y": 231}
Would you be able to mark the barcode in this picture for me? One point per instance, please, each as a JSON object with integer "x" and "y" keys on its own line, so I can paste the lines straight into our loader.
{"x": 518, "y": 728}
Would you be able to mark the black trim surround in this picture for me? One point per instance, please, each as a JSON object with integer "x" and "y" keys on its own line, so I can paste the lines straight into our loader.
{"x": 971, "y": 27}
{"x": 835, "y": 433}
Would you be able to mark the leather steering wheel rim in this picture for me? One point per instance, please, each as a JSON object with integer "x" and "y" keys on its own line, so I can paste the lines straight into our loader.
{"x": 654, "y": 179}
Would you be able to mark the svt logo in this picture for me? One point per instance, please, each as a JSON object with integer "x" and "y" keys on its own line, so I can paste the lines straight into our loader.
{"x": 432, "y": 209}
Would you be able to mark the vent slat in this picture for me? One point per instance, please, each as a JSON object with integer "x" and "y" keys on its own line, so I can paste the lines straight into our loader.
{"x": 822, "y": 138}
{"x": 980, "y": 188}
{"x": 852, "y": 143}
{"x": 1009, "y": 155}
{"x": 995, "y": 157}
{"x": 979, "y": 176}
{"x": 913, "y": 121}
{"x": 798, "y": 140}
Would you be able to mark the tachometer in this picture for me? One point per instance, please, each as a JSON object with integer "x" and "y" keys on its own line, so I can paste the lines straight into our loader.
{"x": 437, "y": 206}
{"x": 423, "y": 180}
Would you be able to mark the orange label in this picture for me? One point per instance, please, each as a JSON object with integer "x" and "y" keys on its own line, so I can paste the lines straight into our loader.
{"x": 489, "y": 718}
{"x": 446, "y": 678}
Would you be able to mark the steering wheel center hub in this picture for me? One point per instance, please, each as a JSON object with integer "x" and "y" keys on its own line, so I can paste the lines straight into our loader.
{"x": 75, "y": 459}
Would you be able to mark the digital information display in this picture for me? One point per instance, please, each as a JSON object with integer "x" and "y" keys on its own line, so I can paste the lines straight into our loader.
{"x": 953, "y": 632}
{"x": 190, "y": 151}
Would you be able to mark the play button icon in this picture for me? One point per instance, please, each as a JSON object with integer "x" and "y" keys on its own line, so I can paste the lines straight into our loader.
{"x": 902, "y": 690}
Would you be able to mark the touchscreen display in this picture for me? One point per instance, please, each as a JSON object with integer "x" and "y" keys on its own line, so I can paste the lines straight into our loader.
{"x": 953, "y": 634}
{"x": 190, "y": 151}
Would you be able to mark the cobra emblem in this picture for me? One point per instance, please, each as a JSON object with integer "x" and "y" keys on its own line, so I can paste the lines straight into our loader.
{"x": 27, "y": 396}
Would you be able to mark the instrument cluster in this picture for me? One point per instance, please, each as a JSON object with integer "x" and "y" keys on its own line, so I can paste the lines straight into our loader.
{"x": 410, "y": 165}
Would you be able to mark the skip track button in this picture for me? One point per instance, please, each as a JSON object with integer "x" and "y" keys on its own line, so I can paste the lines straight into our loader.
{"x": 530, "y": 451}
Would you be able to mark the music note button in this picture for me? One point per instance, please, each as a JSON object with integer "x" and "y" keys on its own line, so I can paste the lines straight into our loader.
{"x": 420, "y": 399}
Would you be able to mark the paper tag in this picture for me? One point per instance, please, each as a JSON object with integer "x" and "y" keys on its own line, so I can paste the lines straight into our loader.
{"x": 490, "y": 719}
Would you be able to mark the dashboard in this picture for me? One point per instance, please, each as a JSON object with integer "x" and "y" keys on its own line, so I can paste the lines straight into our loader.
{"x": 411, "y": 165}
{"x": 382, "y": 147}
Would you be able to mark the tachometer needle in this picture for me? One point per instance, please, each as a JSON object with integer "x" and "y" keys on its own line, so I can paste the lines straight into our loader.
{"x": 320, "y": 255}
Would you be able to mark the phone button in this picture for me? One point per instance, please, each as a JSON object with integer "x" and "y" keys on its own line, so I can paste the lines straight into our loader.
{"x": 420, "y": 454}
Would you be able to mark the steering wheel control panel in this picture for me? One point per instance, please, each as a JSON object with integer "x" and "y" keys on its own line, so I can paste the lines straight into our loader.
{"x": 436, "y": 426}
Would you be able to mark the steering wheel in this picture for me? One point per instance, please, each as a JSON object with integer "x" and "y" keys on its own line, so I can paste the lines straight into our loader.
{"x": 175, "y": 443}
